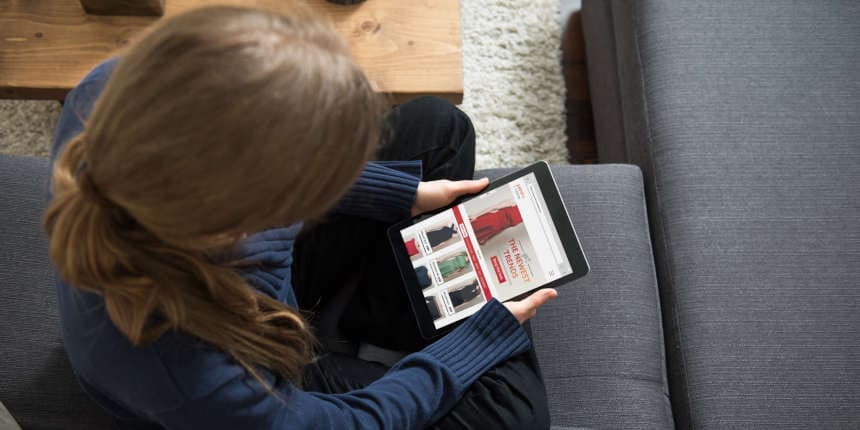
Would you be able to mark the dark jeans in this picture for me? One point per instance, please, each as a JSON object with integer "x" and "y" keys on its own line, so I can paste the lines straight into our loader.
{"x": 346, "y": 279}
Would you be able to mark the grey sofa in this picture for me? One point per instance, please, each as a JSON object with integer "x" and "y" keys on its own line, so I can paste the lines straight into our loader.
{"x": 745, "y": 119}
{"x": 600, "y": 343}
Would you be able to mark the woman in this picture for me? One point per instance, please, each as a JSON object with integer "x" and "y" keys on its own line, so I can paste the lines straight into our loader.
{"x": 223, "y": 122}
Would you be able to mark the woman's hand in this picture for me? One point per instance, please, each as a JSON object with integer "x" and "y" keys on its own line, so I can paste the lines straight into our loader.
{"x": 435, "y": 194}
{"x": 526, "y": 308}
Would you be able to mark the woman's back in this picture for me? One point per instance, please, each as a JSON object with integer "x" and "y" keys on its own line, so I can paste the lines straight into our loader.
{"x": 221, "y": 123}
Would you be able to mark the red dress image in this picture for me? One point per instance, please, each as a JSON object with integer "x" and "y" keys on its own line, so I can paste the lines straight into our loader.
{"x": 492, "y": 223}
{"x": 411, "y": 248}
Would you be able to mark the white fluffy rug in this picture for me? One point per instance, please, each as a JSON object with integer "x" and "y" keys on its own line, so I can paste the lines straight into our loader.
{"x": 514, "y": 91}
{"x": 512, "y": 82}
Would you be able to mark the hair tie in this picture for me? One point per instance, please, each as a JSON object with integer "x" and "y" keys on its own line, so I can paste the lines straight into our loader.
{"x": 91, "y": 192}
{"x": 89, "y": 189}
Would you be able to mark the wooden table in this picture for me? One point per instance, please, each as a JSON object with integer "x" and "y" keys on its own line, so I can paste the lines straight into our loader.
{"x": 407, "y": 47}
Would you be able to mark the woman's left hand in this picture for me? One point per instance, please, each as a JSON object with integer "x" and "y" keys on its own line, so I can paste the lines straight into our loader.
{"x": 435, "y": 194}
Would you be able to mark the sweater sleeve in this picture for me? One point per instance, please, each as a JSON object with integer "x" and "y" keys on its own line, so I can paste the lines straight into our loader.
{"x": 385, "y": 191}
{"x": 414, "y": 393}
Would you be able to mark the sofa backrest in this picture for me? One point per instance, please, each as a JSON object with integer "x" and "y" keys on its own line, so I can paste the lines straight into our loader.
{"x": 37, "y": 383}
{"x": 745, "y": 118}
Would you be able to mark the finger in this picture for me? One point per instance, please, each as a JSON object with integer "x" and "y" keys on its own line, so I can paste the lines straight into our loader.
{"x": 526, "y": 308}
{"x": 540, "y": 297}
{"x": 470, "y": 186}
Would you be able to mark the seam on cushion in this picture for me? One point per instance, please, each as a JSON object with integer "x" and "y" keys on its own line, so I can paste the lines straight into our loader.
{"x": 616, "y": 376}
{"x": 662, "y": 337}
{"x": 659, "y": 218}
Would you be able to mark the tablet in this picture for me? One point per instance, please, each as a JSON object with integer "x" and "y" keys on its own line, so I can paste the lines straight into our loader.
{"x": 505, "y": 242}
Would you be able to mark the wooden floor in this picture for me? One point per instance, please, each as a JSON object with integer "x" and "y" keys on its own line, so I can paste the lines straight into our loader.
{"x": 580, "y": 122}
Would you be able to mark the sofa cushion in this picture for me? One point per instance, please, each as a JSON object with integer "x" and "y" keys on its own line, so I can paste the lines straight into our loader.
{"x": 600, "y": 343}
{"x": 745, "y": 117}
{"x": 38, "y": 385}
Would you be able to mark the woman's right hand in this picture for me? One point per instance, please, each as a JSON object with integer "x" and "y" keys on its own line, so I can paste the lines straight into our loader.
{"x": 526, "y": 308}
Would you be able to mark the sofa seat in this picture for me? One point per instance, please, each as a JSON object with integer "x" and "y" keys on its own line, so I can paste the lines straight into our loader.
{"x": 599, "y": 343}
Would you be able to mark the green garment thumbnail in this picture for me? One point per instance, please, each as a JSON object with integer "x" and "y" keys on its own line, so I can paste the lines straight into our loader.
{"x": 453, "y": 264}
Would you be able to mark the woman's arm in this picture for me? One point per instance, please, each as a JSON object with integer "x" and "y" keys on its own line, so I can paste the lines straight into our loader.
{"x": 412, "y": 395}
{"x": 385, "y": 191}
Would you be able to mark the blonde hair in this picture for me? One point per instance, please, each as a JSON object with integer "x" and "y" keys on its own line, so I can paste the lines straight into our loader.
{"x": 221, "y": 121}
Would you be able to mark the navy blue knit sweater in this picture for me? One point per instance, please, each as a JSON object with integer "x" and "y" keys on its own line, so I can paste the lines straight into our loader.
{"x": 181, "y": 382}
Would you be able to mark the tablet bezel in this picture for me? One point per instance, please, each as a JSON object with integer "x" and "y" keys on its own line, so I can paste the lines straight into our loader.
{"x": 560, "y": 218}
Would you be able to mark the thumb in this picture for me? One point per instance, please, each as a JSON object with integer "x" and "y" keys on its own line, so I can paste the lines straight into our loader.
{"x": 540, "y": 297}
{"x": 526, "y": 308}
{"x": 470, "y": 186}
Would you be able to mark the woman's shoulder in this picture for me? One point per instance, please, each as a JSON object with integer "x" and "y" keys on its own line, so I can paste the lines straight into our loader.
{"x": 79, "y": 104}
{"x": 84, "y": 95}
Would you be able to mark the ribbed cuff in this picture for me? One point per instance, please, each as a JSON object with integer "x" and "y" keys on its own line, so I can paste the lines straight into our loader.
{"x": 485, "y": 339}
{"x": 382, "y": 192}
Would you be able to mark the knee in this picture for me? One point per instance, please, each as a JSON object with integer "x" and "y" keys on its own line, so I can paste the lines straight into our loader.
{"x": 437, "y": 133}
{"x": 430, "y": 104}
{"x": 534, "y": 415}
{"x": 440, "y": 111}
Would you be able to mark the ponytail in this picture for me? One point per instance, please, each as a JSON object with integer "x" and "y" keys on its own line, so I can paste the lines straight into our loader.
{"x": 150, "y": 286}
{"x": 154, "y": 185}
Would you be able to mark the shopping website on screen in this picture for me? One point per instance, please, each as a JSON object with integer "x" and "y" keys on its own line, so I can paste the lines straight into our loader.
{"x": 499, "y": 244}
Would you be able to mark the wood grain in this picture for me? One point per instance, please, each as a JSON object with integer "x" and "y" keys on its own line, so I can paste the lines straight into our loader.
{"x": 124, "y": 7}
{"x": 407, "y": 47}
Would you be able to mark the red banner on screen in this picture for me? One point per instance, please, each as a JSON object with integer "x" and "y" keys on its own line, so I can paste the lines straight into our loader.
{"x": 497, "y": 267}
{"x": 472, "y": 255}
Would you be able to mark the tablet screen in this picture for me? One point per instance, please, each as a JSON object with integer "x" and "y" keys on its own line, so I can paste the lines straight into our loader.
{"x": 498, "y": 244}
